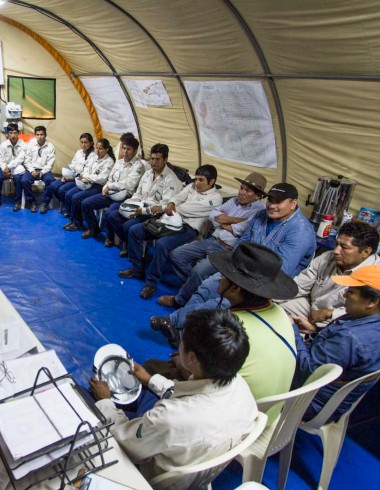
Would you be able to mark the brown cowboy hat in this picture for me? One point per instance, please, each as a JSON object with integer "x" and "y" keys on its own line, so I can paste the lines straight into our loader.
{"x": 255, "y": 181}
{"x": 256, "y": 269}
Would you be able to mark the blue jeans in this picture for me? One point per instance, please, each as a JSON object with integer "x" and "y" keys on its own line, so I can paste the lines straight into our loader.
{"x": 58, "y": 189}
{"x": 76, "y": 199}
{"x": 136, "y": 237}
{"x": 27, "y": 180}
{"x": 96, "y": 202}
{"x": 116, "y": 223}
{"x": 185, "y": 259}
{"x": 206, "y": 297}
{"x": 18, "y": 187}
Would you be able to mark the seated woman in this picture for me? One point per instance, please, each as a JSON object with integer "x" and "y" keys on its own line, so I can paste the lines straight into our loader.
{"x": 89, "y": 183}
{"x": 81, "y": 158}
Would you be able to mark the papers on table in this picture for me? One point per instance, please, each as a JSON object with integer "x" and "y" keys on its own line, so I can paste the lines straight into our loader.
{"x": 19, "y": 374}
{"x": 96, "y": 482}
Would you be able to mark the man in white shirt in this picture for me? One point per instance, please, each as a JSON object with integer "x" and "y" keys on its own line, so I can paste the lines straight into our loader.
{"x": 39, "y": 161}
{"x": 12, "y": 156}
{"x": 193, "y": 206}
{"x": 195, "y": 419}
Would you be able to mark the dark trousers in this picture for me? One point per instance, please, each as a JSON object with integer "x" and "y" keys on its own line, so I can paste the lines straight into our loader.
{"x": 27, "y": 180}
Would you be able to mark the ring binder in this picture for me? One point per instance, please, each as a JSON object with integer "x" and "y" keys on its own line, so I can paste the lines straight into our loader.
{"x": 59, "y": 460}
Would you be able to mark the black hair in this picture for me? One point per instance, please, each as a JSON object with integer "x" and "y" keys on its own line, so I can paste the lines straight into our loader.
{"x": 40, "y": 128}
{"x": 363, "y": 235}
{"x": 107, "y": 146}
{"x": 131, "y": 141}
{"x": 160, "y": 148}
{"x": 208, "y": 171}
{"x": 369, "y": 293}
{"x": 12, "y": 127}
{"x": 126, "y": 136}
{"x": 90, "y": 149}
{"x": 219, "y": 341}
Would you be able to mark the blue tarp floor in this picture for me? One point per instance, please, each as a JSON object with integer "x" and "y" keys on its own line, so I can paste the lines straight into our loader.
{"x": 68, "y": 292}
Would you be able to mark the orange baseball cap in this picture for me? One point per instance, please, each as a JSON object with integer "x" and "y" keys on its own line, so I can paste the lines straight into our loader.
{"x": 364, "y": 276}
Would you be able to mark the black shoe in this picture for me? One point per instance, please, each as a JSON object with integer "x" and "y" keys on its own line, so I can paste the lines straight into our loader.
{"x": 44, "y": 208}
{"x": 124, "y": 253}
{"x": 130, "y": 273}
{"x": 67, "y": 225}
{"x": 17, "y": 206}
{"x": 90, "y": 233}
{"x": 164, "y": 324}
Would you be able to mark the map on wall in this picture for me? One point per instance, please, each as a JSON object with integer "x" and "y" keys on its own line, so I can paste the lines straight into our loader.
{"x": 148, "y": 92}
{"x": 115, "y": 113}
{"x": 234, "y": 121}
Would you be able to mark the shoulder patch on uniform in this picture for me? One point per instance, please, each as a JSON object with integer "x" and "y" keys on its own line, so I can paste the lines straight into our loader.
{"x": 172, "y": 188}
{"x": 139, "y": 431}
{"x": 211, "y": 203}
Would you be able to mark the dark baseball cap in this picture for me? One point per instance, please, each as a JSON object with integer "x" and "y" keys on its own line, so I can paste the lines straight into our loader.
{"x": 283, "y": 191}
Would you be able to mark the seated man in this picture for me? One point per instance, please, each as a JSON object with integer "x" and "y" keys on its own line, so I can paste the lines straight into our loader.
{"x": 319, "y": 298}
{"x": 194, "y": 205}
{"x": 251, "y": 275}
{"x": 156, "y": 187}
{"x": 351, "y": 341}
{"x": 281, "y": 227}
{"x": 124, "y": 178}
{"x": 183, "y": 428}
{"x": 39, "y": 161}
{"x": 230, "y": 221}
{"x": 12, "y": 156}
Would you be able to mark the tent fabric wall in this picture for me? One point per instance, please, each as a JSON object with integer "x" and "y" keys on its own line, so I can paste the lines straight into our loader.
{"x": 331, "y": 125}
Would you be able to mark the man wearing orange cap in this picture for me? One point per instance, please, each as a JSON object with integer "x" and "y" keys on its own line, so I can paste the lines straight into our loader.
{"x": 352, "y": 340}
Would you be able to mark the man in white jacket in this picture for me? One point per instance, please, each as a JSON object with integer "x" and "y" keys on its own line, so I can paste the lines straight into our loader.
{"x": 320, "y": 300}
{"x": 193, "y": 205}
{"x": 12, "y": 156}
{"x": 39, "y": 161}
{"x": 195, "y": 419}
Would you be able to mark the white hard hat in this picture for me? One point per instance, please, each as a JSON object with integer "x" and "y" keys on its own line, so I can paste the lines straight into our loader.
{"x": 112, "y": 364}
{"x": 67, "y": 173}
{"x": 118, "y": 195}
{"x": 83, "y": 186}
{"x": 128, "y": 208}
{"x": 173, "y": 222}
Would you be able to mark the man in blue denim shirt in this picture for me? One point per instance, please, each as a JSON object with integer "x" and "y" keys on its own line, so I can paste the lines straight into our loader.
{"x": 281, "y": 227}
{"x": 351, "y": 341}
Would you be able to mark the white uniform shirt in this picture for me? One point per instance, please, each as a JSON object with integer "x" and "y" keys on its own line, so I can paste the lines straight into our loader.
{"x": 40, "y": 158}
{"x": 126, "y": 175}
{"x": 195, "y": 207}
{"x": 13, "y": 156}
{"x": 79, "y": 161}
{"x": 156, "y": 192}
{"x": 200, "y": 420}
{"x": 97, "y": 170}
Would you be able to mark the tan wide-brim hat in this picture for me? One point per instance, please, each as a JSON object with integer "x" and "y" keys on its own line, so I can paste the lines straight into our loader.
{"x": 256, "y": 181}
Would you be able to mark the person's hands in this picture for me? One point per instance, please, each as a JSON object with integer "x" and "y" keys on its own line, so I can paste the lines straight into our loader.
{"x": 63, "y": 180}
{"x": 7, "y": 173}
{"x": 37, "y": 175}
{"x": 320, "y": 315}
{"x": 304, "y": 325}
{"x": 227, "y": 227}
{"x": 170, "y": 208}
{"x": 99, "y": 389}
{"x": 105, "y": 191}
{"x": 156, "y": 209}
{"x": 136, "y": 214}
{"x": 140, "y": 373}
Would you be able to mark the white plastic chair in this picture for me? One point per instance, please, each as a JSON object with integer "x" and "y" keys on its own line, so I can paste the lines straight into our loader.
{"x": 37, "y": 186}
{"x": 251, "y": 485}
{"x": 279, "y": 436}
{"x": 332, "y": 434}
{"x": 201, "y": 475}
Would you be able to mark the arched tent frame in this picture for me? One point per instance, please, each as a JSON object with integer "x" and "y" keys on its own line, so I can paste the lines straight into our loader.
{"x": 312, "y": 57}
